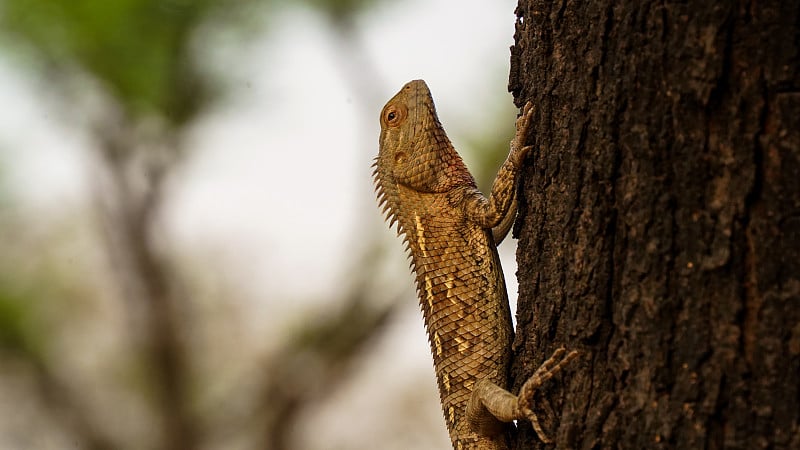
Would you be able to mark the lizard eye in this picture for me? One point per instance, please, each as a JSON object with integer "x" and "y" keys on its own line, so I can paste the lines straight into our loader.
{"x": 393, "y": 115}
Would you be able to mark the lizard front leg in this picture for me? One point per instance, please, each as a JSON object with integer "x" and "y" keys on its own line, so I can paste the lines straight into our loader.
{"x": 500, "y": 231}
{"x": 490, "y": 403}
{"x": 500, "y": 209}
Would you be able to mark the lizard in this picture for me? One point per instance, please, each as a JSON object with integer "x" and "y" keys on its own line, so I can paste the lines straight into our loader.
{"x": 451, "y": 232}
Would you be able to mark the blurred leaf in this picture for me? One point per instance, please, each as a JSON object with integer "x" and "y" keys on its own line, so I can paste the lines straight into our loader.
{"x": 342, "y": 11}
{"x": 18, "y": 333}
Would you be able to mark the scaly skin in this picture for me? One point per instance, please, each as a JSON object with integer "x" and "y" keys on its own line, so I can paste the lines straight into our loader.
{"x": 448, "y": 228}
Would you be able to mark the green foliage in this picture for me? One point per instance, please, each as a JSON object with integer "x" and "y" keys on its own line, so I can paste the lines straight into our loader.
{"x": 341, "y": 10}
{"x": 18, "y": 333}
{"x": 139, "y": 49}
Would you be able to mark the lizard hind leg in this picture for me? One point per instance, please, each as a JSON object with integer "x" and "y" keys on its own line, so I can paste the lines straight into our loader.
{"x": 490, "y": 405}
{"x": 550, "y": 367}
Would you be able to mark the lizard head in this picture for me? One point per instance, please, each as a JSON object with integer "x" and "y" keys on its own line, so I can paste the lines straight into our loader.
{"x": 414, "y": 149}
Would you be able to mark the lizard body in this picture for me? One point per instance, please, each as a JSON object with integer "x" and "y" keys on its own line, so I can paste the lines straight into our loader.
{"x": 451, "y": 231}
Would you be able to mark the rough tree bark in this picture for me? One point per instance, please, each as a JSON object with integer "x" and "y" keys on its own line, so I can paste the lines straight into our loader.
{"x": 660, "y": 225}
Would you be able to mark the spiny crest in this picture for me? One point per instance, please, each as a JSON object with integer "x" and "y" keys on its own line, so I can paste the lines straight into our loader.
{"x": 390, "y": 214}
{"x": 384, "y": 202}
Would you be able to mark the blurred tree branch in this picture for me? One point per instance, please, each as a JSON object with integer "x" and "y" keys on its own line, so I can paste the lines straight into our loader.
{"x": 317, "y": 358}
{"x": 145, "y": 280}
{"x": 140, "y": 51}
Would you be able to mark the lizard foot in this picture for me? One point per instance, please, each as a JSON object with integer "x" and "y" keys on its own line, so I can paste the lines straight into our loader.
{"x": 553, "y": 365}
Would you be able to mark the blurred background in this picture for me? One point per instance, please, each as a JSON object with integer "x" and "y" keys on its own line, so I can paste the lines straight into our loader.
{"x": 191, "y": 255}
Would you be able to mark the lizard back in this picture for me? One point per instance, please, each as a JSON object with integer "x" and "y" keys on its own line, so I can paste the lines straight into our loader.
{"x": 423, "y": 186}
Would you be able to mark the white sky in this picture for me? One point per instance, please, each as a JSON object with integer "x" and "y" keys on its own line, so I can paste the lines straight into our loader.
{"x": 279, "y": 188}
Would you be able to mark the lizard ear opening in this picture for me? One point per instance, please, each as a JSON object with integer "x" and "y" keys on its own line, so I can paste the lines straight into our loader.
{"x": 394, "y": 114}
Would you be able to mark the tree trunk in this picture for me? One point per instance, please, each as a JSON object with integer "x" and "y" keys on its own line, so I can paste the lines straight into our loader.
{"x": 660, "y": 221}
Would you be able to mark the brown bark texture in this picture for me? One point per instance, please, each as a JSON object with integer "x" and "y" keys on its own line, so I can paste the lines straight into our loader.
{"x": 660, "y": 221}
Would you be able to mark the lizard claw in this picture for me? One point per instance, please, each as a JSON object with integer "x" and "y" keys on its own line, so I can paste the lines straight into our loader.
{"x": 523, "y": 121}
{"x": 550, "y": 367}
{"x": 522, "y": 124}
